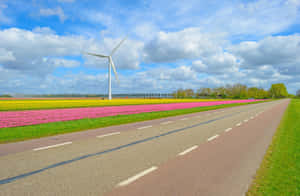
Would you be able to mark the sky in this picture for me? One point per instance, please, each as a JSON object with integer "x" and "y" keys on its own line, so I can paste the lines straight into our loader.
{"x": 170, "y": 45}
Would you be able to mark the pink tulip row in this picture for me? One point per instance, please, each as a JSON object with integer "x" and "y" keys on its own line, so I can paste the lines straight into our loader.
{"x": 33, "y": 117}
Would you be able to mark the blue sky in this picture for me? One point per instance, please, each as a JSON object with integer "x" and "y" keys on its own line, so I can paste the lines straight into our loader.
{"x": 170, "y": 45}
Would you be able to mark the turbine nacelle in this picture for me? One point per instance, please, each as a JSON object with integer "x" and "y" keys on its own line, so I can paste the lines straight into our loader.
{"x": 110, "y": 65}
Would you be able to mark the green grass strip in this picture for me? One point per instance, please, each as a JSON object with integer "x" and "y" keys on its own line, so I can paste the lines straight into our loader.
{"x": 14, "y": 134}
{"x": 279, "y": 173}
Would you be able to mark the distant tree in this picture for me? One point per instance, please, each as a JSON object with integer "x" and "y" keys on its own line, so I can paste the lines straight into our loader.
{"x": 181, "y": 93}
{"x": 229, "y": 91}
{"x": 5, "y": 95}
{"x": 257, "y": 93}
{"x": 291, "y": 96}
{"x": 238, "y": 91}
{"x": 253, "y": 92}
{"x": 189, "y": 93}
{"x": 203, "y": 92}
{"x": 298, "y": 93}
{"x": 219, "y": 92}
{"x": 278, "y": 91}
{"x": 263, "y": 94}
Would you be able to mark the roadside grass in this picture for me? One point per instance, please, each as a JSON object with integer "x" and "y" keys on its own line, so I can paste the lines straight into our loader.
{"x": 279, "y": 173}
{"x": 14, "y": 134}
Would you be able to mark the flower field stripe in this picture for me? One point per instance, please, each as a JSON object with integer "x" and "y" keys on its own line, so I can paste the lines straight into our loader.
{"x": 13, "y": 104}
{"x": 34, "y": 117}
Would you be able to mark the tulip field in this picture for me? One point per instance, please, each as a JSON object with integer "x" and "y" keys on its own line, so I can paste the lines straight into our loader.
{"x": 7, "y": 104}
{"x": 34, "y": 117}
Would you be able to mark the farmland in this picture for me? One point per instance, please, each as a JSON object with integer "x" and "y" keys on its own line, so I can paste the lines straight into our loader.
{"x": 34, "y": 104}
{"x": 23, "y": 118}
{"x": 13, "y": 134}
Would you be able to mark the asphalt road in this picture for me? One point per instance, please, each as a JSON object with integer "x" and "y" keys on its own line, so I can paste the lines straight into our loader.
{"x": 208, "y": 153}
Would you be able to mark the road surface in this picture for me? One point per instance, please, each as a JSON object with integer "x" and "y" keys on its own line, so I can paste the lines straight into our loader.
{"x": 208, "y": 153}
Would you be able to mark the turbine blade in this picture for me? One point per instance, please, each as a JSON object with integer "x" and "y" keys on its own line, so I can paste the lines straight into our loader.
{"x": 114, "y": 68}
{"x": 116, "y": 48}
{"x": 97, "y": 55}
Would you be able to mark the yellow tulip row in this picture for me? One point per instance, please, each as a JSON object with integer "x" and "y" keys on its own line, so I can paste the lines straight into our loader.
{"x": 29, "y": 104}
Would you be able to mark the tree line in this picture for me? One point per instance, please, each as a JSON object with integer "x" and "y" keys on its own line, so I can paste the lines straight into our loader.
{"x": 5, "y": 96}
{"x": 236, "y": 91}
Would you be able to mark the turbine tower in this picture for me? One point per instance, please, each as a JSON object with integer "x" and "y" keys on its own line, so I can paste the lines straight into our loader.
{"x": 110, "y": 65}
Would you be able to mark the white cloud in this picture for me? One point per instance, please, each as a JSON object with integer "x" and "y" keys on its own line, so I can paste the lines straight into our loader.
{"x": 189, "y": 43}
{"x": 43, "y": 30}
{"x": 58, "y": 11}
{"x": 219, "y": 63}
{"x": 281, "y": 52}
{"x": 128, "y": 56}
{"x": 100, "y": 18}
{"x": 40, "y": 51}
{"x": 6, "y": 56}
{"x": 262, "y": 17}
{"x": 293, "y": 2}
{"x": 146, "y": 31}
{"x": 25, "y": 50}
{"x": 64, "y": 63}
{"x": 180, "y": 73}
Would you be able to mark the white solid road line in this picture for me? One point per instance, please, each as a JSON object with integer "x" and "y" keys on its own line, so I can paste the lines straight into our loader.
{"x": 167, "y": 122}
{"x": 52, "y": 146}
{"x": 188, "y": 150}
{"x": 213, "y": 137}
{"x": 228, "y": 129}
{"x": 145, "y": 127}
{"x": 109, "y": 134}
{"x": 139, "y": 175}
{"x": 239, "y": 124}
{"x": 184, "y": 119}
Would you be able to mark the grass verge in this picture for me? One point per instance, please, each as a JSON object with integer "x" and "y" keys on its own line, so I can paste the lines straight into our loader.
{"x": 36, "y": 131}
{"x": 279, "y": 173}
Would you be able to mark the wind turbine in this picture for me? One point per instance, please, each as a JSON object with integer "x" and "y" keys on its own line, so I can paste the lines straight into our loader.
{"x": 110, "y": 65}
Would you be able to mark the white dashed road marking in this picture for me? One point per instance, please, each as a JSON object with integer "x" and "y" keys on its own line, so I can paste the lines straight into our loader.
{"x": 212, "y": 138}
{"x": 145, "y": 127}
{"x": 109, "y": 134}
{"x": 239, "y": 124}
{"x": 228, "y": 129}
{"x": 188, "y": 150}
{"x": 52, "y": 146}
{"x": 139, "y": 175}
{"x": 167, "y": 122}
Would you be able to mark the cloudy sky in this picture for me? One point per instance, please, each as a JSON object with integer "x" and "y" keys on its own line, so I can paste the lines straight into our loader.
{"x": 171, "y": 44}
